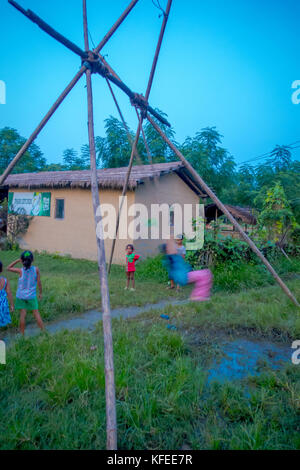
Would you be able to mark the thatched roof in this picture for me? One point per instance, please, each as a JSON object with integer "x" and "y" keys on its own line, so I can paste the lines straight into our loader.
{"x": 245, "y": 214}
{"x": 110, "y": 178}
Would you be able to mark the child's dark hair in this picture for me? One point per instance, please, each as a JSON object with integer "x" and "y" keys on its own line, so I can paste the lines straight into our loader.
{"x": 130, "y": 246}
{"x": 27, "y": 259}
{"x": 1, "y": 267}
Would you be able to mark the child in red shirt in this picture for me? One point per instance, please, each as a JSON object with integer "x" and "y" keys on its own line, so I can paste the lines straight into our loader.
{"x": 131, "y": 258}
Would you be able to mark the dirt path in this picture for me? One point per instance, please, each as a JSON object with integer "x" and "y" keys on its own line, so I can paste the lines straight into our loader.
{"x": 88, "y": 320}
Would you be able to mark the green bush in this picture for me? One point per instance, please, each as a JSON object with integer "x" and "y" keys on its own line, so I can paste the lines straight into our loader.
{"x": 231, "y": 251}
{"x": 152, "y": 268}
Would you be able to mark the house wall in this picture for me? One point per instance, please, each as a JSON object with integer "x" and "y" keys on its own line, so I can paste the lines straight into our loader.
{"x": 169, "y": 189}
{"x": 75, "y": 234}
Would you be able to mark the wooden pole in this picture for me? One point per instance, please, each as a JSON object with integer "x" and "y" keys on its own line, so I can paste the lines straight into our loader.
{"x": 41, "y": 125}
{"x": 130, "y": 140}
{"x": 66, "y": 91}
{"x": 111, "y": 417}
{"x": 161, "y": 35}
{"x": 49, "y": 30}
{"x": 140, "y": 124}
{"x": 134, "y": 97}
{"x": 225, "y": 211}
{"x": 147, "y": 147}
{"x": 133, "y": 150}
{"x": 115, "y": 26}
{"x": 113, "y": 75}
{"x": 65, "y": 41}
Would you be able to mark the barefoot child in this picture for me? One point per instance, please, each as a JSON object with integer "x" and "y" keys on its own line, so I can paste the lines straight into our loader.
{"x": 131, "y": 258}
{"x": 181, "y": 273}
{"x": 5, "y": 296}
{"x": 29, "y": 279}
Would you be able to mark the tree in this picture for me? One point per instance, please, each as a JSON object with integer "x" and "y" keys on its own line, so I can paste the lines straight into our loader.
{"x": 115, "y": 150}
{"x": 210, "y": 138}
{"x": 10, "y": 144}
{"x": 276, "y": 218}
{"x": 290, "y": 181}
{"x": 243, "y": 189}
{"x": 280, "y": 159}
{"x": 54, "y": 167}
{"x": 159, "y": 149}
{"x": 16, "y": 224}
{"x": 211, "y": 161}
{"x": 100, "y": 144}
{"x": 71, "y": 160}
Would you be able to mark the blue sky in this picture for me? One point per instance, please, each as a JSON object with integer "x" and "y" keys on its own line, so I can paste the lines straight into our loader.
{"x": 228, "y": 64}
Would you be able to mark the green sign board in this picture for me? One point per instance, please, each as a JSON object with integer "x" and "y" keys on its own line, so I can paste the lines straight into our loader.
{"x": 37, "y": 204}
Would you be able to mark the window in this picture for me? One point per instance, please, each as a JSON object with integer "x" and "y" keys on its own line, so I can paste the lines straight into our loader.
{"x": 59, "y": 208}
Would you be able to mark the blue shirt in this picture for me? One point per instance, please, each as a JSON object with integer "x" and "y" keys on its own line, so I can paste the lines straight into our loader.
{"x": 177, "y": 268}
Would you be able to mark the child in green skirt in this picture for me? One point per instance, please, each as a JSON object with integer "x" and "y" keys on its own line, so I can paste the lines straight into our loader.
{"x": 29, "y": 279}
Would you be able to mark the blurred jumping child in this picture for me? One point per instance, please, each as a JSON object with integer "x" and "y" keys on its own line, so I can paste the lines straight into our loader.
{"x": 181, "y": 250}
{"x": 180, "y": 271}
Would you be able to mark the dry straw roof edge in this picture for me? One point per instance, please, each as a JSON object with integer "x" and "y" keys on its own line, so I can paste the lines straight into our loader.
{"x": 110, "y": 178}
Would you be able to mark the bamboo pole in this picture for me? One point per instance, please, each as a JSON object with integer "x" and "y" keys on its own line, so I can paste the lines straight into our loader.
{"x": 134, "y": 97}
{"x": 115, "y": 26}
{"x": 140, "y": 124}
{"x": 130, "y": 140}
{"x": 49, "y": 30}
{"x": 133, "y": 150}
{"x": 225, "y": 211}
{"x": 111, "y": 417}
{"x": 147, "y": 147}
{"x": 161, "y": 35}
{"x": 63, "y": 95}
{"x": 62, "y": 39}
{"x": 41, "y": 125}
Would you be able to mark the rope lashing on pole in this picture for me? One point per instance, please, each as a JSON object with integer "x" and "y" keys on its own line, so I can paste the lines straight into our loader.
{"x": 94, "y": 63}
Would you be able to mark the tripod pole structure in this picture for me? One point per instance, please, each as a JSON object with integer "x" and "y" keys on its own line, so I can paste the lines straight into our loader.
{"x": 225, "y": 211}
{"x": 111, "y": 416}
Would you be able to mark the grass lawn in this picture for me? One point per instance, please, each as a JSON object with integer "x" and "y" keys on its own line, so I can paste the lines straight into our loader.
{"x": 71, "y": 287}
{"x": 52, "y": 387}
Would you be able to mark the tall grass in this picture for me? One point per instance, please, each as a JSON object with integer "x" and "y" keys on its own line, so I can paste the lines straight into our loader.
{"x": 52, "y": 395}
